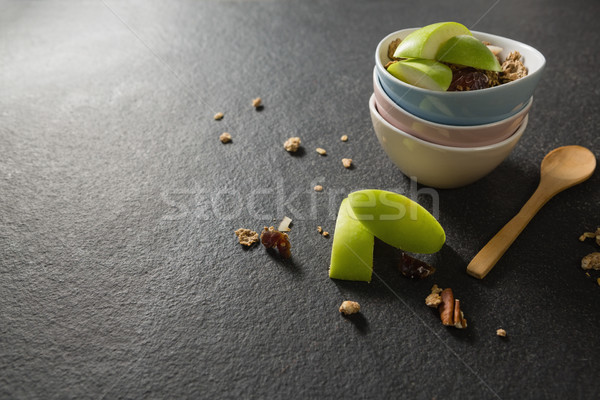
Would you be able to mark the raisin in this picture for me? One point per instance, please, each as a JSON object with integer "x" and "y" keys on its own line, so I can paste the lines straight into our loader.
{"x": 271, "y": 237}
{"x": 468, "y": 79}
{"x": 413, "y": 268}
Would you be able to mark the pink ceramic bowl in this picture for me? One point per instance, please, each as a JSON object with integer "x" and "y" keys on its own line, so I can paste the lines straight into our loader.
{"x": 447, "y": 135}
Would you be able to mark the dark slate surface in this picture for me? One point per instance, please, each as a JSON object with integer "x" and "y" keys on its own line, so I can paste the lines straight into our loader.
{"x": 120, "y": 275}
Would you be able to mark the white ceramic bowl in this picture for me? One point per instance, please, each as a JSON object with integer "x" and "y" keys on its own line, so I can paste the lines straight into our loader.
{"x": 474, "y": 107}
{"x": 435, "y": 165}
{"x": 447, "y": 135}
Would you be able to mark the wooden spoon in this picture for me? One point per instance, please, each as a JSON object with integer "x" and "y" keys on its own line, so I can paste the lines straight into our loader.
{"x": 561, "y": 168}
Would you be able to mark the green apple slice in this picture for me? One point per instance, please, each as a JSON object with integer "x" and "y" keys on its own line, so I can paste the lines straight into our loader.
{"x": 397, "y": 220}
{"x": 426, "y": 74}
{"x": 425, "y": 42}
{"x": 468, "y": 51}
{"x": 352, "y": 249}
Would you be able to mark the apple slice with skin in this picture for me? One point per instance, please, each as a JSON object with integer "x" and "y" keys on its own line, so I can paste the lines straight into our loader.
{"x": 468, "y": 51}
{"x": 425, "y": 42}
{"x": 426, "y": 74}
{"x": 397, "y": 220}
{"x": 352, "y": 249}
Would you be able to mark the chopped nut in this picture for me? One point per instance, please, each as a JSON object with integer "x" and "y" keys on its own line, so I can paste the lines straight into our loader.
{"x": 501, "y": 332}
{"x": 347, "y": 162}
{"x": 512, "y": 68}
{"x": 413, "y": 268}
{"x": 321, "y": 151}
{"x": 449, "y": 309}
{"x": 319, "y": 229}
{"x": 344, "y": 138}
{"x": 318, "y": 188}
{"x": 270, "y": 238}
{"x": 246, "y": 237}
{"x": 225, "y": 137}
{"x": 218, "y": 116}
{"x": 591, "y": 261}
{"x": 434, "y": 299}
{"x": 292, "y": 144}
{"x": 257, "y": 102}
{"x": 349, "y": 307}
{"x": 325, "y": 234}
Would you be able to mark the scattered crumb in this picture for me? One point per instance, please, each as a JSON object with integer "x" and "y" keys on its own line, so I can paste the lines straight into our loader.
{"x": 318, "y": 188}
{"x": 347, "y": 162}
{"x": 246, "y": 237}
{"x": 319, "y": 229}
{"x": 501, "y": 332}
{"x": 344, "y": 138}
{"x": 588, "y": 275}
{"x": 225, "y": 137}
{"x": 349, "y": 307}
{"x": 434, "y": 299}
{"x": 292, "y": 144}
{"x": 591, "y": 261}
{"x": 321, "y": 151}
{"x": 257, "y": 102}
{"x": 586, "y": 235}
{"x": 598, "y": 281}
{"x": 218, "y": 116}
{"x": 325, "y": 234}
{"x": 284, "y": 226}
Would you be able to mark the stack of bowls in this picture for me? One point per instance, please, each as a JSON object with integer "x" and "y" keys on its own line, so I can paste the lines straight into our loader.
{"x": 451, "y": 139}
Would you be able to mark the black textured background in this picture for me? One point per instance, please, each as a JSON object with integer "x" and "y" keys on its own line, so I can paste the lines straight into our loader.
{"x": 120, "y": 275}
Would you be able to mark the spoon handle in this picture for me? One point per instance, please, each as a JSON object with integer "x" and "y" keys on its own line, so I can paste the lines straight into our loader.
{"x": 489, "y": 255}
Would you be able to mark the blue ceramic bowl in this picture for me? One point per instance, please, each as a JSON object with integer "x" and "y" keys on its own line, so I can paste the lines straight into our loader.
{"x": 475, "y": 107}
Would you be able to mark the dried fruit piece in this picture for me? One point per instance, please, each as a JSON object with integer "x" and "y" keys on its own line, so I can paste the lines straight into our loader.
{"x": 591, "y": 261}
{"x": 469, "y": 78}
{"x": 349, "y": 307}
{"x": 246, "y": 237}
{"x": 271, "y": 237}
{"x": 414, "y": 268}
{"x": 218, "y": 116}
{"x": 225, "y": 137}
{"x": 292, "y": 144}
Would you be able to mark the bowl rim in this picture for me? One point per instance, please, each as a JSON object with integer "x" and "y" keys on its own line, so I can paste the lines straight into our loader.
{"x": 515, "y": 136}
{"x": 392, "y": 103}
{"x": 470, "y": 93}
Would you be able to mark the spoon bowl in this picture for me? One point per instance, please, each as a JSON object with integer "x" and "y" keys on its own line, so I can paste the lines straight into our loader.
{"x": 561, "y": 168}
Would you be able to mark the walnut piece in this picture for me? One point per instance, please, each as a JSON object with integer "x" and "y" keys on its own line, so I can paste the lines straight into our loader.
{"x": 501, "y": 332}
{"x": 347, "y": 162}
{"x": 591, "y": 261}
{"x": 292, "y": 144}
{"x": 257, "y": 102}
{"x": 321, "y": 151}
{"x": 512, "y": 68}
{"x": 218, "y": 116}
{"x": 246, "y": 237}
{"x": 349, "y": 307}
{"x": 344, "y": 138}
{"x": 434, "y": 299}
{"x": 225, "y": 137}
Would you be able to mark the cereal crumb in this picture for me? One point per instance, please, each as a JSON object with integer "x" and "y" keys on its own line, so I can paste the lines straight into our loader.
{"x": 257, "y": 102}
{"x": 344, "y": 138}
{"x": 246, "y": 237}
{"x": 218, "y": 116}
{"x": 512, "y": 68}
{"x": 318, "y": 188}
{"x": 392, "y": 48}
{"x": 347, "y": 162}
{"x": 292, "y": 144}
{"x": 325, "y": 234}
{"x": 349, "y": 307}
{"x": 225, "y": 137}
{"x": 501, "y": 332}
{"x": 598, "y": 281}
{"x": 321, "y": 151}
{"x": 591, "y": 261}
{"x": 586, "y": 235}
{"x": 434, "y": 299}
{"x": 319, "y": 229}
